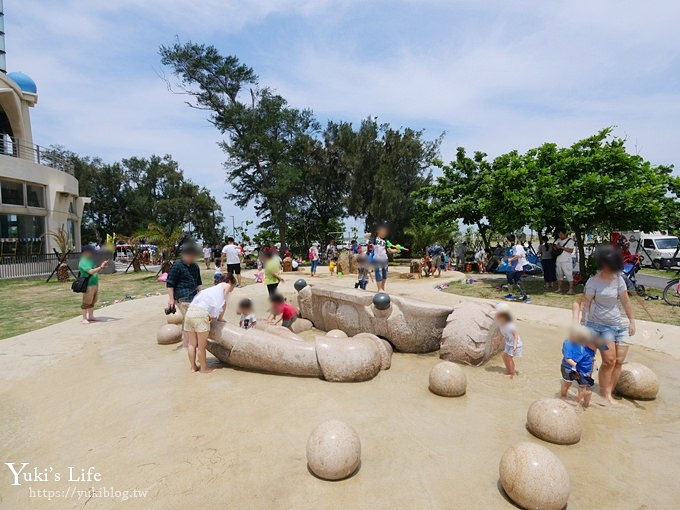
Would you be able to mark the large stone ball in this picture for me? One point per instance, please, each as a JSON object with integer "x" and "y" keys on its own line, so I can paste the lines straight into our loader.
{"x": 333, "y": 450}
{"x": 447, "y": 379}
{"x": 175, "y": 318}
{"x": 301, "y": 325}
{"x": 300, "y": 284}
{"x": 169, "y": 334}
{"x": 336, "y": 333}
{"x": 637, "y": 382}
{"x": 555, "y": 421}
{"x": 533, "y": 477}
{"x": 381, "y": 301}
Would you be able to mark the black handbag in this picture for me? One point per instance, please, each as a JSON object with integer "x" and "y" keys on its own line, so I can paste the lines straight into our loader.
{"x": 80, "y": 284}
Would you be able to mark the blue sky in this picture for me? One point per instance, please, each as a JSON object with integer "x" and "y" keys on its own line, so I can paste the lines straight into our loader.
{"x": 495, "y": 75}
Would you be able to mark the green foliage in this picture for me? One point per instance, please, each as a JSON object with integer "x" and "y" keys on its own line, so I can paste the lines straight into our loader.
{"x": 129, "y": 194}
{"x": 423, "y": 234}
{"x": 157, "y": 234}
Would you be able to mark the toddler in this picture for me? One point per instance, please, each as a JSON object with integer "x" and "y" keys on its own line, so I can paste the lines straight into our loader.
{"x": 578, "y": 356}
{"x": 245, "y": 310}
{"x": 281, "y": 312}
{"x": 508, "y": 332}
{"x": 365, "y": 272}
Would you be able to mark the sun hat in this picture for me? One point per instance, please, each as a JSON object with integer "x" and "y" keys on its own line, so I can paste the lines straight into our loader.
{"x": 503, "y": 308}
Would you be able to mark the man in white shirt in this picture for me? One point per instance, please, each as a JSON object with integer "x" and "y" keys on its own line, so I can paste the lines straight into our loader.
{"x": 564, "y": 265}
{"x": 231, "y": 255}
{"x": 207, "y": 255}
{"x": 517, "y": 261}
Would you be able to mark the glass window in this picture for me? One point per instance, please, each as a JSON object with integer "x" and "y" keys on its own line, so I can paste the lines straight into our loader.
{"x": 35, "y": 195}
{"x": 13, "y": 226}
{"x": 9, "y": 226}
{"x": 648, "y": 243}
{"x": 12, "y": 193}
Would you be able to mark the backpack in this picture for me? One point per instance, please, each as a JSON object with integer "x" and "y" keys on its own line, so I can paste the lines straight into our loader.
{"x": 311, "y": 254}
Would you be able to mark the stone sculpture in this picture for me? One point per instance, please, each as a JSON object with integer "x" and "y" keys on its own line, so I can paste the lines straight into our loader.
{"x": 175, "y": 318}
{"x": 333, "y": 450}
{"x": 278, "y": 350}
{"x": 469, "y": 333}
{"x": 637, "y": 382}
{"x": 409, "y": 325}
{"x": 447, "y": 380}
{"x": 169, "y": 334}
{"x": 336, "y": 333}
{"x": 533, "y": 477}
{"x": 555, "y": 421}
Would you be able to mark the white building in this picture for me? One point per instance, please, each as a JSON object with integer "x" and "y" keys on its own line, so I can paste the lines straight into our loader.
{"x": 38, "y": 193}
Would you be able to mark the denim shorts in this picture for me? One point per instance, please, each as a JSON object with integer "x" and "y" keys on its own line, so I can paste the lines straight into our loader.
{"x": 509, "y": 350}
{"x": 609, "y": 333}
{"x": 380, "y": 272}
{"x": 514, "y": 277}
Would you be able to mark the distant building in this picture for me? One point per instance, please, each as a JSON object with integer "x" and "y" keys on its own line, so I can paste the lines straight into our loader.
{"x": 38, "y": 192}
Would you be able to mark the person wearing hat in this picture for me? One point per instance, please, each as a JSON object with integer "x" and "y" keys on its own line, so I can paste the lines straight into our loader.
{"x": 314, "y": 257}
{"x": 508, "y": 333}
{"x": 184, "y": 279}
{"x": 88, "y": 269}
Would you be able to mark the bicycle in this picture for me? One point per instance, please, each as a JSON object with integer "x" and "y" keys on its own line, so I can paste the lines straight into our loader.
{"x": 671, "y": 294}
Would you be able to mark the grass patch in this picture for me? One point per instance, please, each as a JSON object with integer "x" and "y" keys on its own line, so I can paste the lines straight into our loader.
{"x": 29, "y": 304}
{"x": 488, "y": 289}
{"x": 663, "y": 273}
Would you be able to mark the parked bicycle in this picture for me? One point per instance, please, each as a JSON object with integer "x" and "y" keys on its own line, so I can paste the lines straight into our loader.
{"x": 671, "y": 294}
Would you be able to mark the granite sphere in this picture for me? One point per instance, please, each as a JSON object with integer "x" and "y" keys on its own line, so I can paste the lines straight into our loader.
{"x": 333, "y": 450}
{"x": 381, "y": 301}
{"x": 555, "y": 421}
{"x": 300, "y": 284}
{"x": 175, "y": 318}
{"x": 169, "y": 334}
{"x": 447, "y": 379}
{"x": 533, "y": 477}
{"x": 638, "y": 382}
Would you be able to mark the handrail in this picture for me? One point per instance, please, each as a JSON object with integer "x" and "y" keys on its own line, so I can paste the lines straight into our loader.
{"x": 10, "y": 146}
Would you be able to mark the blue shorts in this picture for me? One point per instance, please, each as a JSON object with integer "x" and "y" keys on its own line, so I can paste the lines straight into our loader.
{"x": 514, "y": 277}
{"x": 380, "y": 272}
{"x": 608, "y": 333}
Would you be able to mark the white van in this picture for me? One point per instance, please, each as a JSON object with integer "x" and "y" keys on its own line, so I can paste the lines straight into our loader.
{"x": 652, "y": 246}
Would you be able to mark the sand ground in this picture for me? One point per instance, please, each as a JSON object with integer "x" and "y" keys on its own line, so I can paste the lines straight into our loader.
{"x": 106, "y": 395}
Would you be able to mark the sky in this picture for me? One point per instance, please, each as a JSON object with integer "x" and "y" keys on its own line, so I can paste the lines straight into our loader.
{"x": 494, "y": 76}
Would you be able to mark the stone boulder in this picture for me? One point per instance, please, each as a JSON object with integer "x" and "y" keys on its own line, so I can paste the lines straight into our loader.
{"x": 346, "y": 263}
{"x": 469, "y": 333}
{"x": 637, "y": 382}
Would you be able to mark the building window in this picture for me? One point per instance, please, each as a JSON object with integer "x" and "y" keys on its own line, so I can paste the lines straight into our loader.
{"x": 21, "y": 234}
{"x": 11, "y": 193}
{"x": 35, "y": 195}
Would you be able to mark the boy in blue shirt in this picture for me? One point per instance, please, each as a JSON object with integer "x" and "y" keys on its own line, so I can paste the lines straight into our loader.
{"x": 578, "y": 356}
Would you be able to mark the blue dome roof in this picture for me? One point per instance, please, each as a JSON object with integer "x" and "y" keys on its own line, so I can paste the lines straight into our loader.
{"x": 25, "y": 82}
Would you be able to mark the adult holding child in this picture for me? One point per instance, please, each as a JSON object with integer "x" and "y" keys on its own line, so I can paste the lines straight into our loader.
{"x": 605, "y": 295}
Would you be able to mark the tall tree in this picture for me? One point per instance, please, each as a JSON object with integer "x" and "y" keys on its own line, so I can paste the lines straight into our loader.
{"x": 389, "y": 165}
{"x": 263, "y": 133}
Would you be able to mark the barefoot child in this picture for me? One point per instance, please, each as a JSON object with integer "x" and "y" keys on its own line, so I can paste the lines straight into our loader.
{"x": 245, "y": 310}
{"x": 281, "y": 314}
{"x": 508, "y": 332}
{"x": 578, "y": 355}
{"x": 365, "y": 272}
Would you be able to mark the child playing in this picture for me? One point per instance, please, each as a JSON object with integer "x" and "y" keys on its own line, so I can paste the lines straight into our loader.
{"x": 508, "y": 331}
{"x": 365, "y": 272}
{"x": 281, "y": 313}
{"x": 578, "y": 355}
{"x": 331, "y": 266}
{"x": 245, "y": 310}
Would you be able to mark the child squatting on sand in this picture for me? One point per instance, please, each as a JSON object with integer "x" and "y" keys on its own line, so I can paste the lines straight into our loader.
{"x": 281, "y": 313}
{"x": 508, "y": 332}
{"x": 578, "y": 356}
{"x": 245, "y": 310}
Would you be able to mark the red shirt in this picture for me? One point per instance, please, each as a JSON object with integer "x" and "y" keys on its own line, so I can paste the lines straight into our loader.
{"x": 286, "y": 311}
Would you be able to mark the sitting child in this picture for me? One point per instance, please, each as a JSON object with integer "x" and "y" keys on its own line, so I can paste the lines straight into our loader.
{"x": 508, "y": 332}
{"x": 245, "y": 310}
{"x": 578, "y": 356}
{"x": 281, "y": 313}
{"x": 365, "y": 272}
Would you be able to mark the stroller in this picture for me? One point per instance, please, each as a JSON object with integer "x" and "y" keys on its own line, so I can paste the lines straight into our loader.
{"x": 631, "y": 266}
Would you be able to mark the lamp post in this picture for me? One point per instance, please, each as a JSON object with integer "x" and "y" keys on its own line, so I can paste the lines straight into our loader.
{"x": 233, "y": 226}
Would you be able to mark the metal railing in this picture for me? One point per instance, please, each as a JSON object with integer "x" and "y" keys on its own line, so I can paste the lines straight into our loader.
{"x": 10, "y": 146}
{"x": 27, "y": 266}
